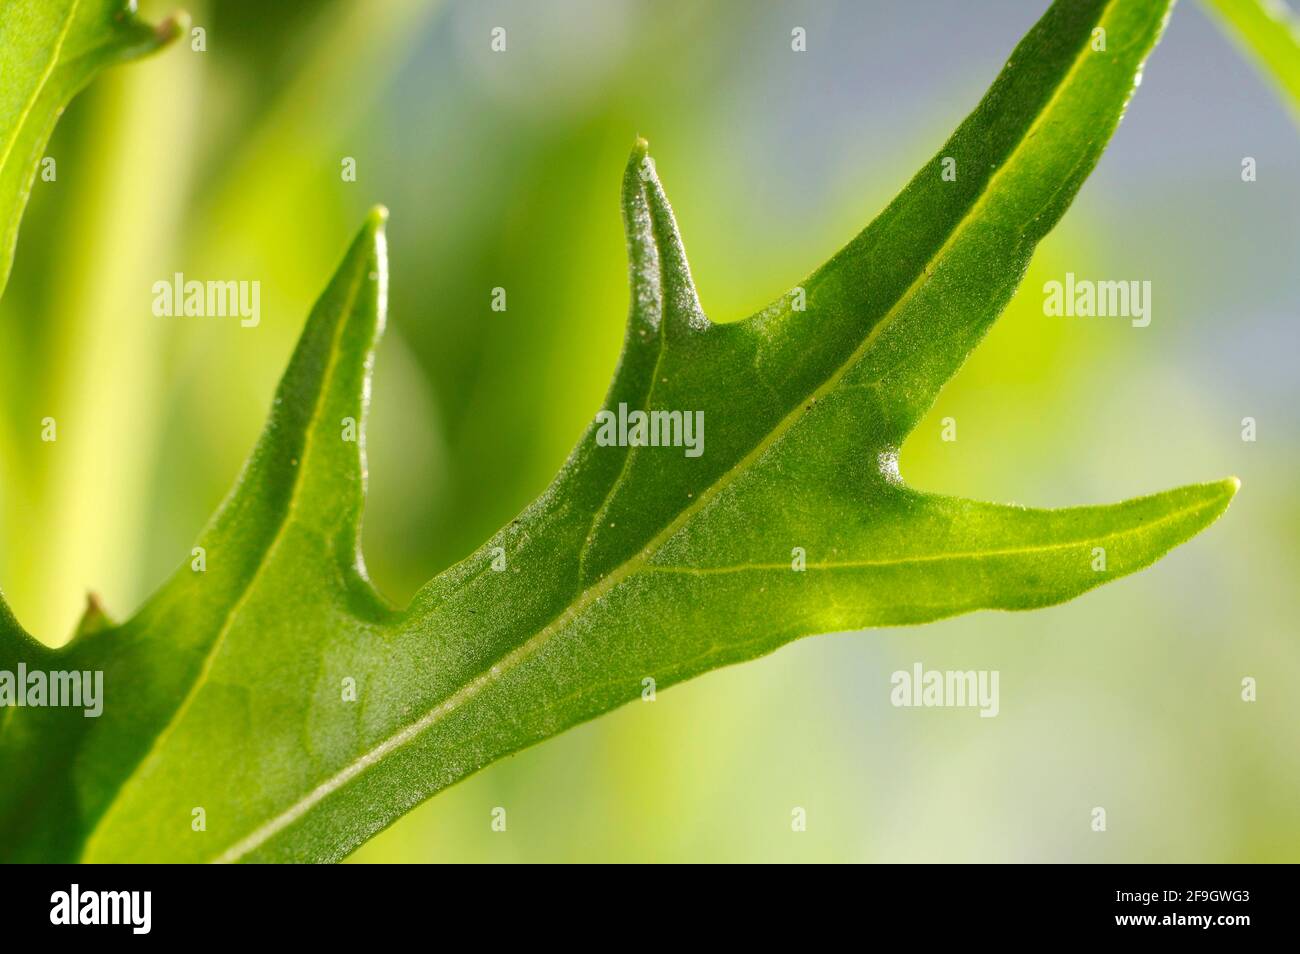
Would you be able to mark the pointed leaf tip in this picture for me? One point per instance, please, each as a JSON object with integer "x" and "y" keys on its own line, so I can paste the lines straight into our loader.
{"x": 661, "y": 275}
{"x": 138, "y": 37}
{"x": 1204, "y": 503}
{"x": 1216, "y": 494}
{"x": 172, "y": 28}
{"x": 309, "y": 464}
{"x": 1226, "y": 490}
{"x": 93, "y": 618}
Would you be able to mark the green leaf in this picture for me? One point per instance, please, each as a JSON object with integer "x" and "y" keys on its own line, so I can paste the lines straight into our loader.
{"x": 49, "y": 50}
{"x": 228, "y": 691}
{"x": 1268, "y": 32}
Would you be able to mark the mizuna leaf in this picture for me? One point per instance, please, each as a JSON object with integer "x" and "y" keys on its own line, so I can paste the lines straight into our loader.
{"x": 49, "y": 50}
{"x": 226, "y": 691}
{"x": 1268, "y": 31}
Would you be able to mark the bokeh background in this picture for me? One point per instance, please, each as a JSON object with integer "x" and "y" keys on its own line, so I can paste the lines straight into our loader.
{"x": 503, "y": 170}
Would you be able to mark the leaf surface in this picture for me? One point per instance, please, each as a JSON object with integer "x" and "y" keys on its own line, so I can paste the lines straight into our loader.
{"x": 228, "y": 690}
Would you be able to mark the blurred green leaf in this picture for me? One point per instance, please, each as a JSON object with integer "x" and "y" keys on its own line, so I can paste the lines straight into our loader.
{"x": 49, "y": 50}
{"x": 1268, "y": 31}
{"x": 267, "y": 685}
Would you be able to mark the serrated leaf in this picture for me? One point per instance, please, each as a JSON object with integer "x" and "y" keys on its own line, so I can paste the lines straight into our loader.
{"x": 49, "y": 50}
{"x": 228, "y": 691}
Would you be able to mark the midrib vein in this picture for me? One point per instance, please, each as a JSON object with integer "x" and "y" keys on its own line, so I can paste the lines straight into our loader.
{"x": 236, "y": 608}
{"x": 936, "y": 557}
{"x": 601, "y": 587}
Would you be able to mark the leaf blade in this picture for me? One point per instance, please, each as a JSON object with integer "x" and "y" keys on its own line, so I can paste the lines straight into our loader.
{"x": 162, "y": 658}
{"x": 633, "y": 564}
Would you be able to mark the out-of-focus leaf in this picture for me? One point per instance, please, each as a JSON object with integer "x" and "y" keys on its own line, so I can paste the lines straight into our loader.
{"x": 278, "y": 694}
{"x": 49, "y": 50}
{"x": 1268, "y": 31}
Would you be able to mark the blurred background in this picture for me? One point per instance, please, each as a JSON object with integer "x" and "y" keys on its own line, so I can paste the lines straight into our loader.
{"x": 503, "y": 169}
